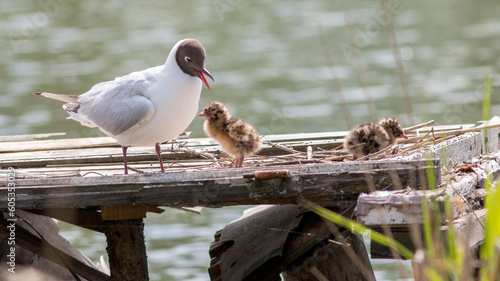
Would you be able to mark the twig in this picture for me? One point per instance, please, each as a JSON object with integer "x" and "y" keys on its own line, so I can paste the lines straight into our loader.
{"x": 337, "y": 147}
{"x": 204, "y": 155}
{"x": 92, "y": 172}
{"x": 416, "y": 144}
{"x": 418, "y": 126}
{"x": 335, "y": 158}
{"x": 463, "y": 131}
{"x": 282, "y": 147}
{"x": 136, "y": 170}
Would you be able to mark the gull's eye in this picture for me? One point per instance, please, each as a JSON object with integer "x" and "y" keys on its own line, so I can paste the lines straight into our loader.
{"x": 187, "y": 59}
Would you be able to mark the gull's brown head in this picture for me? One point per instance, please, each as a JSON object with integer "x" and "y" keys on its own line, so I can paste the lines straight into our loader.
{"x": 190, "y": 57}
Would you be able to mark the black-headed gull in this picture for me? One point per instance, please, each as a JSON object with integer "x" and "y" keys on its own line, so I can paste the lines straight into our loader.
{"x": 237, "y": 137}
{"x": 372, "y": 137}
{"x": 146, "y": 107}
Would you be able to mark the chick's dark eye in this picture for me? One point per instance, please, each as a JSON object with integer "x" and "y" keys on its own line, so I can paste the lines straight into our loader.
{"x": 213, "y": 109}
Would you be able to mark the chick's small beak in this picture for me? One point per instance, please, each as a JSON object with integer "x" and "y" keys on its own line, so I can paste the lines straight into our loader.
{"x": 404, "y": 136}
{"x": 202, "y": 77}
{"x": 202, "y": 114}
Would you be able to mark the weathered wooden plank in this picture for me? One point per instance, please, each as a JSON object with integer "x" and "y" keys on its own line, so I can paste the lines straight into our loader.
{"x": 294, "y": 239}
{"x": 76, "y": 143}
{"x": 222, "y": 187}
{"x": 346, "y": 259}
{"x": 225, "y": 173}
{"x": 90, "y": 219}
{"x": 403, "y": 207}
{"x": 114, "y": 155}
{"x": 235, "y": 256}
{"x": 456, "y": 150}
{"x": 30, "y": 137}
{"x": 32, "y": 242}
{"x": 469, "y": 229}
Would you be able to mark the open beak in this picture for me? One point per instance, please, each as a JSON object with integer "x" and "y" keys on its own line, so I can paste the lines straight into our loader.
{"x": 202, "y": 114}
{"x": 202, "y": 77}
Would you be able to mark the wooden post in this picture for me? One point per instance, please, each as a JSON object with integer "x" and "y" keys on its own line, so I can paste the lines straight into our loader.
{"x": 124, "y": 230}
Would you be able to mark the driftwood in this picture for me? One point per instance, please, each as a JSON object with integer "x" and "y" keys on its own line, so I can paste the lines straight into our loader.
{"x": 52, "y": 254}
{"x": 287, "y": 239}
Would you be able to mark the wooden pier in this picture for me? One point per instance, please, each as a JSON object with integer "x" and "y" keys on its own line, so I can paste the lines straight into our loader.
{"x": 80, "y": 181}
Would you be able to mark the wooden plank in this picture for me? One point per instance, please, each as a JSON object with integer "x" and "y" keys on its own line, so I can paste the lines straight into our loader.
{"x": 114, "y": 155}
{"x": 76, "y": 143}
{"x": 225, "y": 173}
{"x": 30, "y": 137}
{"x": 456, "y": 150}
{"x": 220, "y": 187}
{"x": 89, "y": 219}
{"x": 344, "y": 259}
{"x": 234, "y": 254}
{"x": 469, "y": 229}
{"x": 127, "y": 212}
{"x": 58, "y": 144}
{"x": 31, "y": 242}
{"x": 403, "y": 207}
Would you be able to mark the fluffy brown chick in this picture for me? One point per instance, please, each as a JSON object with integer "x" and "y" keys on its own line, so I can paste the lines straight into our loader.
{"x": 369, "y": 138}
{"x": 237, "y": 137}
{"x": 393, "y": 129}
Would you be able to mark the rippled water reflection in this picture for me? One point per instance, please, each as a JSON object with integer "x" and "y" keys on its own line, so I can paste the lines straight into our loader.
{"x": 269, "y": 68}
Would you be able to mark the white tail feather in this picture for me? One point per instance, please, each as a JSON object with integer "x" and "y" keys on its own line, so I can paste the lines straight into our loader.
{"x": 64, "y": 98}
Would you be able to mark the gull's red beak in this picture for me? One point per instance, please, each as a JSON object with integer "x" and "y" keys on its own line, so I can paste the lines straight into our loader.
{"x": 202, "y": 77}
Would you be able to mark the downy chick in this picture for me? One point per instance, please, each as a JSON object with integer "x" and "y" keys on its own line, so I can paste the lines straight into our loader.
{"x": 393, "y": 129}
{"x": 237, "y": 137}
{"x": 370, "y": 138}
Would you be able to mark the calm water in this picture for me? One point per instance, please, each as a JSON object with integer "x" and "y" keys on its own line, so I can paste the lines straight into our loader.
{"x": 269, "y": 68}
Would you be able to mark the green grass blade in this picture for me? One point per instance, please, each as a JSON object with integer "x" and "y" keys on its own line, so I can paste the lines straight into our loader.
{"x": 492, "y": 232}
{"x": 426, "y": 217}
{"x": 451, "y": 230}
{"x": 487, "y": 95}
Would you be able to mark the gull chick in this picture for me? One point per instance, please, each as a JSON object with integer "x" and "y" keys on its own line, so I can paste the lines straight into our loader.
{"x": 147, "y": 107}
{"x": 237, "y": 137}
{"x": 393, "y": 129}
{"x": 370, "y": 138}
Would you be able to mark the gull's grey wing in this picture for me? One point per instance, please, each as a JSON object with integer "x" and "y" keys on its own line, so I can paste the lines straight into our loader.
{"x": 118, "y": 106}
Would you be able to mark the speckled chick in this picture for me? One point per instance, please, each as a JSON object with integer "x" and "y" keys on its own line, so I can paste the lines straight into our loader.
{"x": 237, "y": 137}
{"x": 369, "y": 138}
{"x": 393, "y": 129}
